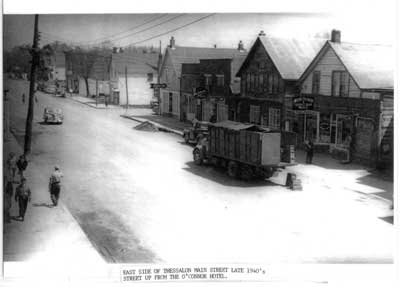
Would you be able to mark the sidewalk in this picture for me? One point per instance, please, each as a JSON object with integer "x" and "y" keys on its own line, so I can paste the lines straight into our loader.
{"x": 49, "y": 236}
{"x": 91, "y": 102}
{"x": 162, "y": 122}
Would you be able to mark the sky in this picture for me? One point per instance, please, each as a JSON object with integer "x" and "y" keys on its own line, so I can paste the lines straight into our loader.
{"x": 222, "y": 29}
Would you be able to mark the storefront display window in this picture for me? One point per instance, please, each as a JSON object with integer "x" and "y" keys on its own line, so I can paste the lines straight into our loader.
{"x": 324, "y": 128}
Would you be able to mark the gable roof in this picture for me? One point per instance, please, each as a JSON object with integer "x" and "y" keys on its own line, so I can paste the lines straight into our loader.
{"x": 371, "y": 66}
{"x": 136, "y": 63}
{"x": 188, "y": 55}
{"x": 290, "y": 56}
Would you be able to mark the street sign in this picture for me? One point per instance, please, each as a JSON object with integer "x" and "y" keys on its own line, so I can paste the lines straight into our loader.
{"x": 158, "y": 86}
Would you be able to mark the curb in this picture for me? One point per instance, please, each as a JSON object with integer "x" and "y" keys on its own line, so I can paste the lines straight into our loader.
{"x": 87, "y": 104}
{"x": 159, "y": 126}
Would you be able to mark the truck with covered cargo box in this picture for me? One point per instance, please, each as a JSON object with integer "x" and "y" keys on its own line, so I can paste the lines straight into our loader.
{"x": 246, "y": 150}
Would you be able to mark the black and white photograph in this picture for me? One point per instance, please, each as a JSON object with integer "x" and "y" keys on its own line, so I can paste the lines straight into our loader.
{"x": 190, "y": 146}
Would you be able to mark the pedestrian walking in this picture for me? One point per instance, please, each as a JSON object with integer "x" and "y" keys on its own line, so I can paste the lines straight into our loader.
{"x": 22, "y": 196}
{"x": 12, "y": 165}
{"x": 55, "y": 185}
{"x": 309, "y": 145}
{"x": 23, "y": 98}
{"x": 22, "y": 164}
{"x": 8, "y": 194}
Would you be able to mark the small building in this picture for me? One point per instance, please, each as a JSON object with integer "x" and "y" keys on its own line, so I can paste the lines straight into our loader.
{"x": 54, "y": 62}
{"x": 207, "y": 87}
{"x": 269, "y": 78}
{"x": 346, "y": 101}
{"x": 139, "y": 70}
{"x": 171, "y": 71}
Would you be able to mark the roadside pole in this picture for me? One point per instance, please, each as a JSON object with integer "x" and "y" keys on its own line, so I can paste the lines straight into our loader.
{"x": 97, "y": 91}
{"x": 29, "y": 118}
{"x": 126, "y": 86}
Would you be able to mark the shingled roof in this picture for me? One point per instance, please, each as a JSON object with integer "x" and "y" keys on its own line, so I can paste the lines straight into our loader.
{"x": 191, "y": 55}
{"x": 371, "y": 66}
{"x": 136, "y": 63}
{"x": 290, "y": 56}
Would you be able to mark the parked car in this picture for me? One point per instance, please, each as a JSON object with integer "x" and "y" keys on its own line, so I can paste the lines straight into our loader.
{"x": 193, "y": 134}
{"x": 53, "y": 115}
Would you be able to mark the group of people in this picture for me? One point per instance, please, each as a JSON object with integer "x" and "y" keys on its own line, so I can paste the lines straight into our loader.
{"x": 23, "y": 193}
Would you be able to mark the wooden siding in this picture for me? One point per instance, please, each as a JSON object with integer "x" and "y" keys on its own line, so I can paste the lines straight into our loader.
{"x": 169, "y": 76}
{"x": 328, "y": 63}
{"x": 386, "y": 131}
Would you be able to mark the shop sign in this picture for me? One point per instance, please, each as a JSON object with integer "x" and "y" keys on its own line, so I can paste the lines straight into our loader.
{"x": 303, "y": 103}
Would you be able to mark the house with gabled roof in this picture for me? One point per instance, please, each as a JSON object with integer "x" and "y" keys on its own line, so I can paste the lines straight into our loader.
{"x": 137, "y": 70}
{"x": 269, "y": 78}
{"x": 171, "y": 72}
{"x": 350, "y": 87}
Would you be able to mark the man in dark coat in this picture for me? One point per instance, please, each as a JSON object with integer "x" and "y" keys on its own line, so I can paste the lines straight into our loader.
{"x": 22, "y": 196}
{"x": 8, "y": 193}
{"x": 309, "y": 151}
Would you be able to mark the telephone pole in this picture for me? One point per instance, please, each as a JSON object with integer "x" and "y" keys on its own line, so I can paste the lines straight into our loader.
{"x": 34, "y": 63}
{"x": 126, "y": 86}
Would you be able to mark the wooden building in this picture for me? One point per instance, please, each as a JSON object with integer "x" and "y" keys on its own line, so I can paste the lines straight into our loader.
{"x": 171, "y": 72}
{"x": 269, "y": 78}
{"x": 346, "y": 102}
{"x": 207, "y": 87}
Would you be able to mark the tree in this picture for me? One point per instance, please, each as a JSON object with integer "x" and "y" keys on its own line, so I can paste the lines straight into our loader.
{"x": 82, "y": 63}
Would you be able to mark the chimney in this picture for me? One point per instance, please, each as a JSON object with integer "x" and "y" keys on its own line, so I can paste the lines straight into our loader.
{"x": 172, "y": 42}
{"x": 262, "y": 33}
{"x": 240, "y": 46}
{"x": 335, "y": 36}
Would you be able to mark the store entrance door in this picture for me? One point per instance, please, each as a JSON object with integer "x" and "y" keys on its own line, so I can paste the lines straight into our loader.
{"x": 308, "y": 122}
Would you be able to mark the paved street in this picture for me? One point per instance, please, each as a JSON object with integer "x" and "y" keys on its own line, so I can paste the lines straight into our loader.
{"x": 139, "y": 198}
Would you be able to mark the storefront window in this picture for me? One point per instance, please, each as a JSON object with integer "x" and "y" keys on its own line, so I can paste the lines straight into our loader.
{"x": 324, "y": 128}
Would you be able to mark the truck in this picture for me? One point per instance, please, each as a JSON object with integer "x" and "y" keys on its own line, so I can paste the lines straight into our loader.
{"x": 247, "y": 151}
{"x": 191, "y": 135}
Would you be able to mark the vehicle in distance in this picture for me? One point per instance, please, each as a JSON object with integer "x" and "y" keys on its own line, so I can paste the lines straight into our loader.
{"x": 53, "y": 115}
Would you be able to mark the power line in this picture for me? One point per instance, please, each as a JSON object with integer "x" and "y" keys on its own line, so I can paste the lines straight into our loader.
{"x": 151, "y": 27}
{"x": 172, "y": 30}
{"x": 152, "y": 19}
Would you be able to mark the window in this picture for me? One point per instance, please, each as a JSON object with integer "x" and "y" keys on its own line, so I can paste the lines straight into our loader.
{"x": 192, "y": 105}
{"x": 340, "y": 83}
{"x": 274, "y": 117}
{"x": 316, "y": 78}
{"x": 248, "y": 82}
{"x": 270, "y": 83}
{"x": 254, "y": 114}
{"x": 220, "y": 80}
{"x": 207, "y": 80}
{"x": 150, "y": 77}
{"x": 256, "y": 86}
{"x": 261, "y": 82}
{"x": 265, "y": 83}
{"x": 275, "y": 83}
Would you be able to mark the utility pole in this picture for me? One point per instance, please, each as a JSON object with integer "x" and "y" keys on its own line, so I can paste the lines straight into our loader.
{"x": 35, "y": 60}
{"x": 126, "y": 86}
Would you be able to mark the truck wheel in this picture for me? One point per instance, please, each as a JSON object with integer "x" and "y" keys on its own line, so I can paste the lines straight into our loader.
{"x": 268, "y": 172}
{"x": 246, "y": 172}
{"x": 197, "y": 157}
{"x": 233, "y": 169}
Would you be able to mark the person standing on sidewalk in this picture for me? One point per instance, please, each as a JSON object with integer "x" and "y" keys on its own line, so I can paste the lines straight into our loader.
{"x": 22, "y": 164}
{"x": 12, "y": 165}
{"x": 55, "y": 185}
{"x": 309, "y": 151}
{"x": 8, "y": 194}
{"x": 23, "y": 196}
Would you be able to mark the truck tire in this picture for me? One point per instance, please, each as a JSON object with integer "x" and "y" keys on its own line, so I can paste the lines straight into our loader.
{"x": 246, "y": 172}
{"x": 233, "y": 169}
{"x": 197, "y": 158}
{"x": 268, "y": 172}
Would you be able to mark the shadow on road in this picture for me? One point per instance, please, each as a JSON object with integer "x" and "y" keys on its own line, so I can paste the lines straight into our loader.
{"x": 219, "y": 175}
{"x": 43, "y": 204}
